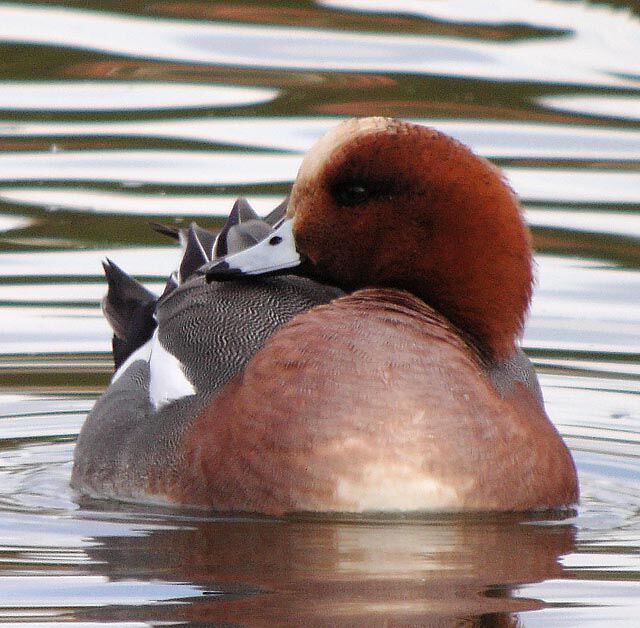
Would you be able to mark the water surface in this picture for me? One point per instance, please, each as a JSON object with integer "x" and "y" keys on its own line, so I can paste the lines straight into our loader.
{"x": 114, "y": 114}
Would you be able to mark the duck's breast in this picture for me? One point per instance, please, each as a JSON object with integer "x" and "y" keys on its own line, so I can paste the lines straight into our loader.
{"x": 371, "y": 403}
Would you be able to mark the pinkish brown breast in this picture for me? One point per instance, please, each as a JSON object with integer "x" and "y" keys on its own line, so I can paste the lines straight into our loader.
{"x": 371, "y": 403}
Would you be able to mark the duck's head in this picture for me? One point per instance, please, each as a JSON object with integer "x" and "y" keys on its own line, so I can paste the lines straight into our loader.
{"x": 383, "y": 203}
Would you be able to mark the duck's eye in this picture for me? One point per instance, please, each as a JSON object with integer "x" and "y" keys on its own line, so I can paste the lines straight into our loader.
{"x": 352, "y": 194}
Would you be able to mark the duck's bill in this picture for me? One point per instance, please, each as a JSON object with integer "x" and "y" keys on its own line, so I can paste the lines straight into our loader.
{"x": 276, "y": 254}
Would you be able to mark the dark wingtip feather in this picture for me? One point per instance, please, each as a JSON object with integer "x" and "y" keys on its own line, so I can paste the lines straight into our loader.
{"x": 240, "y": 228}
{"x": 122, "y": 286}
{"x": 207, "y": 239}
{"x": 278, "y": 213}
{"x": 129, "y": 308}
{"x": 243, "y": 210}
{"x": 172, "y": 283}
{"x": 194, "y": 255}
{"x": 247, "y": 234}
{"x": 166, "y": 230}
{"x": 220, "y": 248}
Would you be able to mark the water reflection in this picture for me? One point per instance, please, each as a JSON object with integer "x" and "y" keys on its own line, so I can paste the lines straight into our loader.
{"x": 78, "y": 199}
{"x": 494, "y": 140}
{"x": 136, "y": 168}
{"x": 124, "y": 96}
{"x": 314, "y": 49}
{"x": 623, "y": 107}
{"x": 357, "y": 573}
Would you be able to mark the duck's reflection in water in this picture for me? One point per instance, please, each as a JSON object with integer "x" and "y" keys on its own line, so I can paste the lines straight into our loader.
{"x": 435, "y": 571}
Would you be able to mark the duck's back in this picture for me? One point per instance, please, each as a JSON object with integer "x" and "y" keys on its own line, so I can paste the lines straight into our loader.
{"x": 214, "y": 329}
{"x": 206, "y": 334}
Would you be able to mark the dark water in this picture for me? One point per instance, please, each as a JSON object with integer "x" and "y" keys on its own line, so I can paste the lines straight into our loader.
{"x": 113, "y": 114}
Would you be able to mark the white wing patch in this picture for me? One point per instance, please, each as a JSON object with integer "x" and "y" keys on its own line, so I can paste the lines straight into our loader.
{"x": 167, "y": 380}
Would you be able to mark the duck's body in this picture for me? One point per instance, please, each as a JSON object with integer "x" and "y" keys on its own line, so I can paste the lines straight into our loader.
{"x": 282, "y": 394}
{"x": 206, "y": 334}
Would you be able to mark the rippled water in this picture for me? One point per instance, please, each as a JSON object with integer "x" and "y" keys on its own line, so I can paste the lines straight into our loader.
{"x": 113, "y": 114}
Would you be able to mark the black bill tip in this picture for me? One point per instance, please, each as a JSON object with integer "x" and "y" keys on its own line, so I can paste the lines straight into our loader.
{"x": 219, "y": 271}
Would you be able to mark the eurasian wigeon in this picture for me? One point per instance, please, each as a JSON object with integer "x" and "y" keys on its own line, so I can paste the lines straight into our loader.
{"x": 358, "y": 354}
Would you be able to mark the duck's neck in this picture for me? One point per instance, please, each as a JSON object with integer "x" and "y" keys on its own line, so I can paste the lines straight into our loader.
{"x": 489, "y": 309}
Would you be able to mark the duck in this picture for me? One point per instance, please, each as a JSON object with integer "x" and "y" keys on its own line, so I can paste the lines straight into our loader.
{"x": 357, "y": 352}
